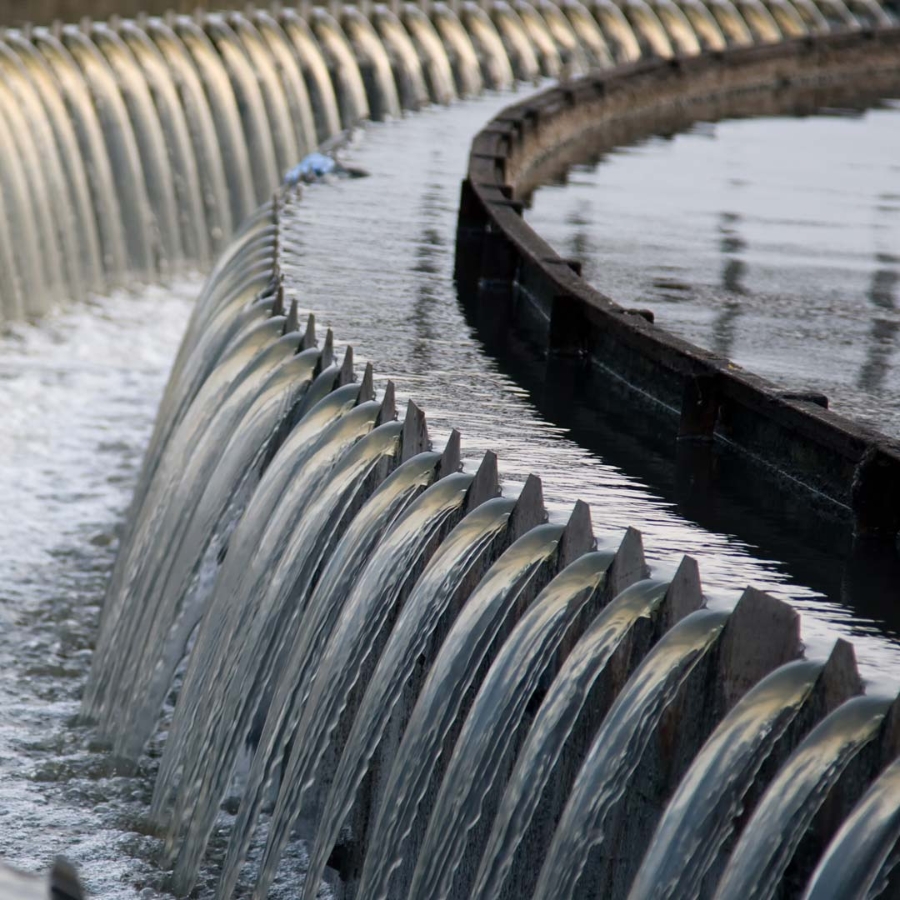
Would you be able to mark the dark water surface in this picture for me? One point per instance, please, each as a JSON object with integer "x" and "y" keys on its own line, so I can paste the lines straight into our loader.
{"x": 774, "y": 241}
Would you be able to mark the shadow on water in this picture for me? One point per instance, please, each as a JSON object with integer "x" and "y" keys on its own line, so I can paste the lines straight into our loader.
{"x": 706, "y": 485}
{"x": 713, "y": 486}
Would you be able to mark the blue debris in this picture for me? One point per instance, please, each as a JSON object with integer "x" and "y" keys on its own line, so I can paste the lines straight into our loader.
{"x": 323, "y": 166}
{"x": 310, "y": 168}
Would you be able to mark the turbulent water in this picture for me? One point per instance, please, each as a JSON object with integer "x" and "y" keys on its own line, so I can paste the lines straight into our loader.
{"x": 783, "y": 256}
{"x": 78, "y": 395}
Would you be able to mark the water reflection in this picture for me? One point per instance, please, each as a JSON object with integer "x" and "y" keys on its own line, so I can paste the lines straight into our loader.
{"x": 428, "y": 253}
{"x": 732, "y": 246}
{"x": 882, "y": 295}
{"x": 580, "y": 244}
{"x": 773, "y": 241}
{"x": 734, "y": 268}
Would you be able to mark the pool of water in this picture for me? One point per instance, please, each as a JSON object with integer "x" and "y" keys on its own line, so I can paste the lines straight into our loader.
{"x": 78, "y": 394}
{"x": 774, "y": 241}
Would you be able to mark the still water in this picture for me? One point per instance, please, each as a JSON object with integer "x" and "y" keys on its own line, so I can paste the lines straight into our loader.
{"x": 77, "y": 399}
{"x": 773, "y": 241}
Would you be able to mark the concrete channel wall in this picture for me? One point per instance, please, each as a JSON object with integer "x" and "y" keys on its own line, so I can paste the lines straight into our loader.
{"x": 510, "y": 276}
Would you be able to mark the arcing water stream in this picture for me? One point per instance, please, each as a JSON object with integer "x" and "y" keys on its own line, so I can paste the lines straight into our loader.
{"x": 327, "y": 206}
{"x": 346, "y": 597}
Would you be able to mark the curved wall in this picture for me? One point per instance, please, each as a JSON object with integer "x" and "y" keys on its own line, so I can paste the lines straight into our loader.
{"x": 510, "y": 275}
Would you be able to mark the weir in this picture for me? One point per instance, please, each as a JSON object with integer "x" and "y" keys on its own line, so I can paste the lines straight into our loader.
{"x": 443, "y": 693}
{"x": 444, "y": 690}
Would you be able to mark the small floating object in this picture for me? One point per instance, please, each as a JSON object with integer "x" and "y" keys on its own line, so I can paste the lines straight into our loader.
{"x": 318, "y": 166}
{"x": 311, "y": 168}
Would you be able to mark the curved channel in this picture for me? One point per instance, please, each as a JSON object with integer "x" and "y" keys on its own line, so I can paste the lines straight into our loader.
{"x": 292, "y": 519}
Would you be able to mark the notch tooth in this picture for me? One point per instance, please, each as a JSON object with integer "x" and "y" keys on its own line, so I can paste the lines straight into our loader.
{"x": 388, "y": 405}
{"x": 529, "y": 510}
{"x": 486, "y": 484}
{"x": 685, "y": 593}
{"x": 629, "y": 565}
{"x": 450, "y": 460}
{"x": 309, "y": 336}
{"x": 415, "y": 432}
{"x": 761, "y": 634}
{"x": 326, "y": 357}
{"x": 278, "y": 302}
{"x": 346, "y": 375}
{"x": 840, "y": 678}
{"x": 367, "y": 385}
{"x": 578, "y": 536}
{"x": 292, "y": 323}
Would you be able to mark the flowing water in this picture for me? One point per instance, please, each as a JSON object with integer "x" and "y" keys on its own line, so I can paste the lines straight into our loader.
{"x": 565, "y": 702}
{"x": 863, "y": 845}
{"x": 319, "y": 637}
{"x": 271, "y": 483}
{"x": 493, "y": 725}
{"x": 426, "y": 347}
{"x": 402, "y": 819}
{"x": 551, "y": 615}
{"x": 68, "y": 491}
{"x": 701, "y": 814}
{"x": 758, "y": 863}
{"x": 619, "y": 745}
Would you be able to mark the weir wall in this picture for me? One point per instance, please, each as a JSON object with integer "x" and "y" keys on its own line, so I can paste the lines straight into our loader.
{"x": 761, "y": 635}
{"x": 509, "y": 275}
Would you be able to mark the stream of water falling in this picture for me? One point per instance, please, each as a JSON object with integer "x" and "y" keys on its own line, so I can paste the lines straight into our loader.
{"x": 78, "y": 394}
